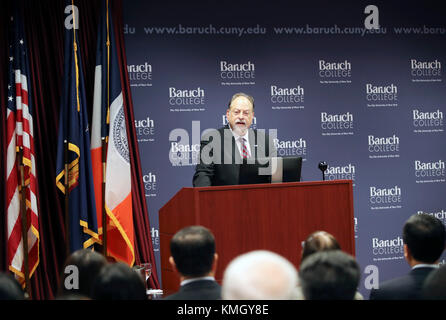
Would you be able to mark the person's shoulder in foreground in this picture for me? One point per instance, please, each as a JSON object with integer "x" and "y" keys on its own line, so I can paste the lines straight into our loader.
{"x": 424, "y": 241}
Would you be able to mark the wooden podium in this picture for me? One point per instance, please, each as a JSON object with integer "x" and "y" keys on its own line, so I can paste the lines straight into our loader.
{"x": 276, "y": 217}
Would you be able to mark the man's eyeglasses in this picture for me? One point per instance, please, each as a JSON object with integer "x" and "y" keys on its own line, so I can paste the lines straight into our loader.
{"x": 237, "y": 112}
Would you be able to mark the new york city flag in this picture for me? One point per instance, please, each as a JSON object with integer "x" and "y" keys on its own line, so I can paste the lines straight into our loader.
{"x": 109, "y": 124}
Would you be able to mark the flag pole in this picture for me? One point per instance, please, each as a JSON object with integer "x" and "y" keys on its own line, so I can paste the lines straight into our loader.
{"x": 24, "y": 222}
{"x": 105, "y": 144}
{"x": 66, "y": 199}
{"x": 67, "y": 204}
{"x": 104, "y": 211}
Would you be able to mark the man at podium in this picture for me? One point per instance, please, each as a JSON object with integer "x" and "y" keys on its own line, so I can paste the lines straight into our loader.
{"x": 223, "y": 150}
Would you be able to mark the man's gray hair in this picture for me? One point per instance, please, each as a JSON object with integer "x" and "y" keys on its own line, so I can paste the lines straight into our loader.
{"x": 259, "y": 275}
{"x": 241, "y": 94}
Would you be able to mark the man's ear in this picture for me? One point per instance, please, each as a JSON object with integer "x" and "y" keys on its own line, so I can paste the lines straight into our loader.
{"x": 172, "y": 263}
{"x": 407, "y": 253}
{"x": 214, "y": 263}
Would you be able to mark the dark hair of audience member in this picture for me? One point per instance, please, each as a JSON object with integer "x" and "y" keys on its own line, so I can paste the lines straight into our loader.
{"x": 89, "y": 263}
{"x": 329, "y": 275}
{"x": 319, "y": 241}
{"x": 10, "y": 288}
{"x": 117, "y": 281}
{"x": 425, "y": 237}
{"x": 193, "y": 250}
{"x": 435, "y": 285}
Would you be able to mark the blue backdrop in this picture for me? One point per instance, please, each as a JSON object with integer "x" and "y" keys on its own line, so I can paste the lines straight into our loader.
{"x": 369, "y": 102}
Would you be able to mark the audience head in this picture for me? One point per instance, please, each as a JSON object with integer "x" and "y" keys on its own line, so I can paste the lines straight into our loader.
{"x": 424, "y": 239}
{"x": 319, "y": 241}
{"x": 10, "y": 288}
{"x": 89, "y": 263}
{"x": 435, "y": 285}
{"x": 259, "y": 275}
{"x": 329, "y": 275}
{"x": 193, "y": 252}
{"x": 117, "y": 281}
{"x": 72, "y": 296}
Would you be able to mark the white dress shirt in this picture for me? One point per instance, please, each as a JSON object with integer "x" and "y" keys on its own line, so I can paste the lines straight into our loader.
{"x": 425, "y": 265}
{"x": 184, "y": 282}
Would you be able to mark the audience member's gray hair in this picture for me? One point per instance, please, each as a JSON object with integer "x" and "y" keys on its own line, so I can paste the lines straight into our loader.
{"x": 259, "y": 275}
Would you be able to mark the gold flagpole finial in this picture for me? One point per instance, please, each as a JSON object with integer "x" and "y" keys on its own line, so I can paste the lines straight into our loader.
{"x": 75, "y": 57}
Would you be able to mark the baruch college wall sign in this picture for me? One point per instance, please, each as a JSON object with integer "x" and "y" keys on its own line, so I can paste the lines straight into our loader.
{"x": 363, "y": 93}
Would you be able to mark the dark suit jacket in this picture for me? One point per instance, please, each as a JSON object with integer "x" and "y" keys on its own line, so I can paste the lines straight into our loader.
{"x": 224, "y": 167}
{"x": 198, "y": 290}
{"x": 408, "y": 287}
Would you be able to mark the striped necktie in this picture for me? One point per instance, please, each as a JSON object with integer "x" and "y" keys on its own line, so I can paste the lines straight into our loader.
{"x": 244, "y": 148}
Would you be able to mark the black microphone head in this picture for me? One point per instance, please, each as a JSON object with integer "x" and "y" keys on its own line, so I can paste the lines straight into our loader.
{"x": 322, "y": 166}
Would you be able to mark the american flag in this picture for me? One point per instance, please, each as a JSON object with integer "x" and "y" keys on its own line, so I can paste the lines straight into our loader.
{"x": 20, "y": 135}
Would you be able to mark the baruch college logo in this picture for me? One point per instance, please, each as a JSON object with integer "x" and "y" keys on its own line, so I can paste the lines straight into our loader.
{"x": 291, "y": 148}
{"x": 184, "y": 154}
{"x": 145, "y": 130}
{"x": 155, "y": 233}
{"x": 191, "y": 99}
{"x": 385, "y": 198}
{"x": 425, "y": 71}
{"x": 440, "y": 215}
{"x": 387, "y": 249}
{"x": 287, "y": 98}
{"x": 429, "y": 172}
{"x": 237, "y": 73}
{"x": 336, "y": 124}
{"x": 149, "y": 184}
{"x": 140, "y": 75}
{"x": 382, "y": 95}
{"x": 346, "y": 172}
{"x": 383, "y": 147}
{"x": 427, "y": 122}
{"x": 335, "y": 72}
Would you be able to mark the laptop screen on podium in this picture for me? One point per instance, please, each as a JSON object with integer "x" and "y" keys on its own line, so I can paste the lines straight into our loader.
{"x": 271, "y": 170}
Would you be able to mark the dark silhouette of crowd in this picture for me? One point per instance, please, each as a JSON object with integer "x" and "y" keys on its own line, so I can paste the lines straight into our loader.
{"x": 325, "y": 272}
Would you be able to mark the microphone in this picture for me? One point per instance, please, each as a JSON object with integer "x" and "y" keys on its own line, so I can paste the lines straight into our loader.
{"x": 323, "y": 166}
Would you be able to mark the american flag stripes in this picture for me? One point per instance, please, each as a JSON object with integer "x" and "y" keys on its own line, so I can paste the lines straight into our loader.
{"x": 20, "y": 135}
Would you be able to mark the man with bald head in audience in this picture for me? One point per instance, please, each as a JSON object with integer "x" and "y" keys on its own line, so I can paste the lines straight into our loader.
{"x": 259, "y": 275}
